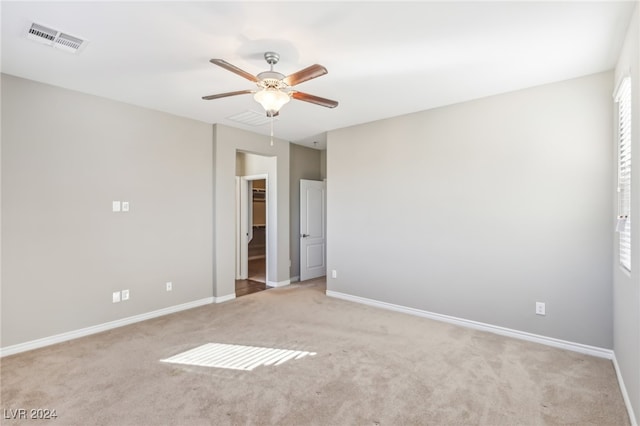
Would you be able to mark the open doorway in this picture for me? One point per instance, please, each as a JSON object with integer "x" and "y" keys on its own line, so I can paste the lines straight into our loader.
{"x": 251, "y": 239}
{"x": 252, "y": 222}
{"x": 257, "y": 248}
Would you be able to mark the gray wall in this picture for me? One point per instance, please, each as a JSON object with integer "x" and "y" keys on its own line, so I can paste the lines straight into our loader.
{"x": 626, "y": 288}
{"x": 323, "y": 164}
{"x": 65, "y": 157}
{"x": 252, "y": 164}
{"x": 480, "y": 209}
{"x": 305, "y": 164}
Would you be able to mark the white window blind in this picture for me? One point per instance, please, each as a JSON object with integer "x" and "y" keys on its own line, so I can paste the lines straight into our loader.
{"x": 623, "y": 98}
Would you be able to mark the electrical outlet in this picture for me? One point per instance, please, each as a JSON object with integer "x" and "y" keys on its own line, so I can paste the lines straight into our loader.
{"x": 116, "y": 296}
{"x": 125, "y": 206}
{"x": 115, "y": 206}
{"x": 334, "y": 273}
{"x": 169, "y": 286}
{"x": 125, "y": 294}
{"x": 540, "y": 308}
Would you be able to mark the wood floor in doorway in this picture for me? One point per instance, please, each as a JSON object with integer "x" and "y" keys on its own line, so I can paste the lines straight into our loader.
{"x": 256, "y": 281}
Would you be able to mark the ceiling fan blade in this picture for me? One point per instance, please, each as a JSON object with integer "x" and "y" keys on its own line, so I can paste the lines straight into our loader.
{"x": 314, "y": 99}
{"x": 227, "y": 66}
{"x": 306, "y": 74}
{"x": 224, "y": 95}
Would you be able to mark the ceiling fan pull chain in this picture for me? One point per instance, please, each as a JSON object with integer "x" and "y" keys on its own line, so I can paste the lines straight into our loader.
{"x": 272, "y": 130}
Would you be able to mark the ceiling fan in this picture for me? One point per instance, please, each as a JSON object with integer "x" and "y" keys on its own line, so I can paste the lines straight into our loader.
{"x": 274, "y": 88}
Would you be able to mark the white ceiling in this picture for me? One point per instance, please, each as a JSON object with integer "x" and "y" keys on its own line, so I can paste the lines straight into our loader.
{"x": 384, "y": 58}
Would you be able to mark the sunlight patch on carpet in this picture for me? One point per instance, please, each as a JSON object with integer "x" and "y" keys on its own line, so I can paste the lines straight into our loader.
{"x": 235, "y": 357}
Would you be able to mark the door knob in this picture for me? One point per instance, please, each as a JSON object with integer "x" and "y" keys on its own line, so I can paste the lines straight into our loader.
{"x": 305, "y": 235}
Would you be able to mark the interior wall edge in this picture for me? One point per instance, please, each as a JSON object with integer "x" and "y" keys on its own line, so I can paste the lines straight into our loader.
{"x": 278, "y": 283}
{"x": 623, "y": 389}
{"x": 222, "y": 299}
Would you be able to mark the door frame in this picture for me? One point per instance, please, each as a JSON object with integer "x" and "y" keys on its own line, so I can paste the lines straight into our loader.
{"x": 244, "y": 195}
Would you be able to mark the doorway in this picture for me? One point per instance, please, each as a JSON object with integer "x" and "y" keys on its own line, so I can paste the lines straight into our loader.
{"x": 253, "y": 222}
{"x": 251, "y": 239}
{"x": 257, "y": 248}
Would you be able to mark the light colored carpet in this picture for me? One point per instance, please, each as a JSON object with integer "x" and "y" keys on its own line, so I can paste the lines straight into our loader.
{"x": 372, "y": 367}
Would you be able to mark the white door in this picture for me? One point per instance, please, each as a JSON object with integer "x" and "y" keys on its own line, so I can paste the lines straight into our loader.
{"x": 244, "y": 229}
{"x": 312, "y": 229}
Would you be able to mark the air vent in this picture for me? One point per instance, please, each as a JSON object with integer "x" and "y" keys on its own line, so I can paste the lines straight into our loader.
{"x": 42, "y": 34}
{"x": 55, "y": 38}
{"x": 69, "y": 43}
{"x": 251, "y": 118}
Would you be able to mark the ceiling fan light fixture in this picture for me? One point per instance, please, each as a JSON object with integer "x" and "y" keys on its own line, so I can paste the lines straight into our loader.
{"x": 271, "y": 100}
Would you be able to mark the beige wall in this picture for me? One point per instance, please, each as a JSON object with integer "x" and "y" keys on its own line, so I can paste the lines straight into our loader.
{"x": 626, "y": 300}
{"x": 479, "y": 210}
{"x": 305, "y": 164}
{"x": 252, "y": 164}
{"x": 65, "y": 157}
{"x": 323, "y": 164}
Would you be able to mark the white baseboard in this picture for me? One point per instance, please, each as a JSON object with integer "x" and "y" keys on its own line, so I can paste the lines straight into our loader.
{"x": 63, "y": 337}
{"x": 223, "y": 299}
{"x": 278, "y": 284}
{"x": 625, "y": 395}
{"x": 294, "y": 279}
{"x": 549, "y": 341}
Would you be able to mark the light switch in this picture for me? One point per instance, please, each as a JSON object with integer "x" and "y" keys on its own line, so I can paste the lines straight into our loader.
{"x": 125, "y": 206}
{"x": 116, "y": 206}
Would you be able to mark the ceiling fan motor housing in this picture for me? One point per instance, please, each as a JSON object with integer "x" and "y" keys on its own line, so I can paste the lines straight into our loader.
{"x": 272, "y": 58}
{"x": 271, "y": 80}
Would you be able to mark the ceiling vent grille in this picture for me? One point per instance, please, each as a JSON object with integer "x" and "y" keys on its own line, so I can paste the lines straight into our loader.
{"x": 55, "y": 38}
{"x": 67, "y": 42}
{"x": 43, "y": 34}
{"x": 251, "y": 118}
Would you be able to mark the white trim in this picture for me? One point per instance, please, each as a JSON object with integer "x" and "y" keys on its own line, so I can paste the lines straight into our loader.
{"x": 549, "y": 341}
{"x": 223, "y": 299}
{"x": 294, "y": 279}
{"x": 624, "y": 118}
{"x": 258, "y": 176}
{"x": 625, "y": 395}
{"x": 278, "y": 284}
{"x": 624, "y": 76}
{"x": 70, "y": 335}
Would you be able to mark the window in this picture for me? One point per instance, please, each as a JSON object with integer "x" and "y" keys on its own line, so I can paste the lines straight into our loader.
{"x": 623, "y": 98}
